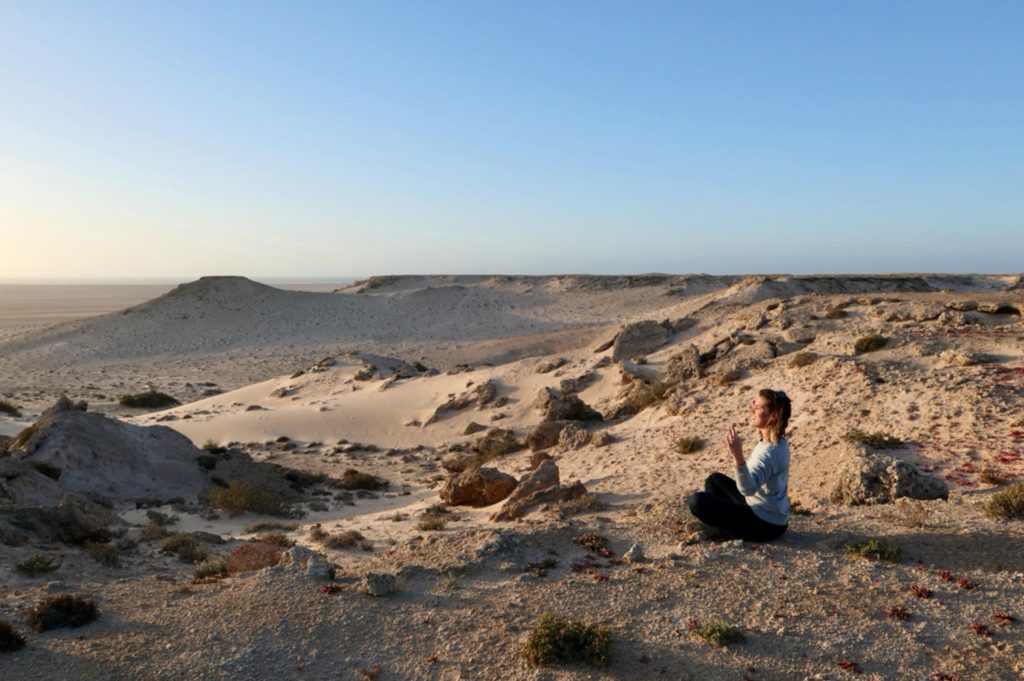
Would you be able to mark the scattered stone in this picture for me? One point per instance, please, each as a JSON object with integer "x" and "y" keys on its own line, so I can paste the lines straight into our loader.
{"x": 551, "y": 365}
{"x": 378, "y": 584}
{"x": 635, "y": 554}
{"x": 477, "y": 487}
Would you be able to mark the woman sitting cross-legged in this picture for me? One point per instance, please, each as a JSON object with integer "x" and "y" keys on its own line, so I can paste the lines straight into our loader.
{"x": 755, "y": 506}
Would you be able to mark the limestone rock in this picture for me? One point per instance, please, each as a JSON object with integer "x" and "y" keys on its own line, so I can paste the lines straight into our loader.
{"x": 635, "y": 554}
{"x": 639, "y": 338}
{"x": 378, "y": 584}
{"x": 477, "y": 487}
{"x": 882, "y": 479}
{"x": 305, "y": 561}
{"x": 685, "y": 366}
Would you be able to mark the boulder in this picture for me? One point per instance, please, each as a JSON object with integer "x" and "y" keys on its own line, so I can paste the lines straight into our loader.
{"x": 74, "y": 520}
{"x": 538, "y": 487}
{"x": 477, "y": 487}
{"x": 378, "y": 584}
{"x": 21, "y": 483}
{"x": 544, "y": 435}
{"x": 873, "y": 479}
{"x": 569, "y": 408}
{"x": 639, "y": 338}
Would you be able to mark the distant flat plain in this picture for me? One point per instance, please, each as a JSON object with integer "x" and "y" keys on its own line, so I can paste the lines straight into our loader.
{"x": 27, "y": 305}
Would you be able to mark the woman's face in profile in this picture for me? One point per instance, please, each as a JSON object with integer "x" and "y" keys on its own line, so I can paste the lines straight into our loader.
{"x": 759, "y": 412}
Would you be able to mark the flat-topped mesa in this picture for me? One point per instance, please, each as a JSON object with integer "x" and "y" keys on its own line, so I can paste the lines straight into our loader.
{"x": 215, "y": 289}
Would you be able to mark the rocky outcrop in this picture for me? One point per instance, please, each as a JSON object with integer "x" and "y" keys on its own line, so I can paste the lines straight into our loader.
{"x": 538, "y": 488}
{"x": 560, "y": 407}
{"x": 872, "y": 479}
{"x": 574, "y": 436}
{"x": 638, "y": 339}
{"x": 74, "y": 520}
{"x": 482, "y": 395}
{"x": 97, "y": 456}
{"x": 685, "y": 366}
{"x": 300, "y": 560}
{"x": 477, "y": 487}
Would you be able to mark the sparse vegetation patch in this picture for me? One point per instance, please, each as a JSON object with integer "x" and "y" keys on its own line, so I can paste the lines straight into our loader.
{"x": 875, "y": 440}
{"x": 556, "y": 640}
{"x": 353, "y": 479}
{"x": 185, "y": 547}
{"x": 874, "y": 549}
{"x": 717, "y": 633}
{"x": 148, "y": 400}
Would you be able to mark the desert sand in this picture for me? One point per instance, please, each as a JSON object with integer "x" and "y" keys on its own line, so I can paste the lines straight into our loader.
{"x": 286, "y": 386}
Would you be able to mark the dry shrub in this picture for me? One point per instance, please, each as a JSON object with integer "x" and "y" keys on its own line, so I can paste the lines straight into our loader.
{"x": 802, "y": 359}
{"x": 642, "y": 394}
{"x": 592, "y": 542}
{"x": 185, "y": 547}
{"x": 836, "y": 312}
{"x": 9, "y": 409}
{"x": 584, "y": 503}
{"x": 104, "y": 553}
{"x": 64, "y": 610}
{"x": 254, "y": 528}
{"x": 345, "y": 539}
{"x": 556, "y": 640}
{"x": 353, "y": 479}
{"x": 153, "y": 531}
{"x": 253, "y": 555}
{"x": 10, "y": 638}
{"x": 212, "y": 567}
{"x": 238, "y": 498}
{"x": 869, "y": 343}
{"x": 875, "y": 440}
{"x": 1006, "y": 503}
{"x": 428, "y": 522}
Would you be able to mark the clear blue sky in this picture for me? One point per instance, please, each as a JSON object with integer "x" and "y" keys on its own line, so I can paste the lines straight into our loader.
{"x": 280, "y": 139}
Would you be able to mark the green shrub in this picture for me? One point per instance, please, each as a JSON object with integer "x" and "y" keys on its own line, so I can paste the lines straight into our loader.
{"x": 36, "y": 564}
{"x": 353, "y": 479}
{"x": 185, "y": 547}
{"x": 1006, "y": 503}
{"x": 869, "y": 343}
{"x": 874, "y": 549}
{"x": 875, "y": 440}
{"x": 64, "y": 610}
{"x": 689, "y": 445}
{"x": 237, "y": 498}
{"x": 802, "y": 359}
{"x": 9, "y": 409}
{"x": 557, "y": 640}
{"x": 211, "y": 567}
{"x": 10, "y": 638}
{"x": 148, "y": 400}
{"x": 718, "y": 633}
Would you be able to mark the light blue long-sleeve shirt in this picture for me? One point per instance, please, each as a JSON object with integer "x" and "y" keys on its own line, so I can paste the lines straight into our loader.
{"x": 764, "y": 481}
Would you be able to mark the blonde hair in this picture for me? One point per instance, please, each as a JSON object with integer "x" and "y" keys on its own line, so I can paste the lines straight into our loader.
{"x": 779, "y": 410}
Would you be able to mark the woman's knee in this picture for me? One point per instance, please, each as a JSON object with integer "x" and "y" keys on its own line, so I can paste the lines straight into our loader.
{"x": 716, "y": 481}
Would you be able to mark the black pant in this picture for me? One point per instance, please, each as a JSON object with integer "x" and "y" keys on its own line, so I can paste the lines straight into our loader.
{"x": 721, "y": 505}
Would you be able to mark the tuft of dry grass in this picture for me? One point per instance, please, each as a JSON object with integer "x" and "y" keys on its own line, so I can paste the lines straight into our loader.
{"x": 185, "y": 547}
{"x": 9, "y": 409}
{"x": 690, "y": 445}
{"x": 104, "y": 553}
{"x": 36, "y": 564}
